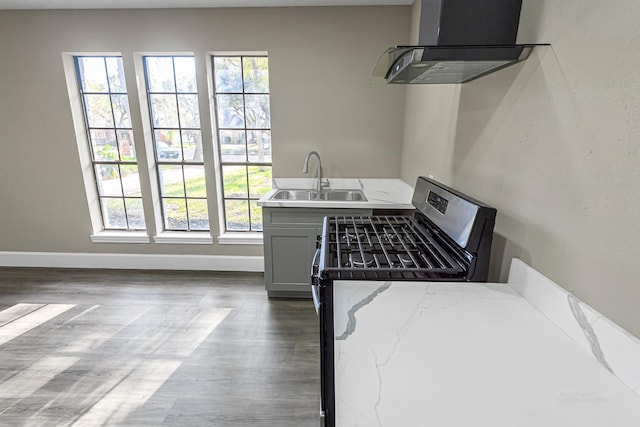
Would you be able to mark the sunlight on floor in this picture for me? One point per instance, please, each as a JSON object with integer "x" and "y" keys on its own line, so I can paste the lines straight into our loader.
{"x": 109, "y": 389}
{"x": 22, "y": 318}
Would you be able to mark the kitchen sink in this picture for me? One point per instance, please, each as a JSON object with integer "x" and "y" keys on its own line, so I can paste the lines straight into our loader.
{"x": 324, "y": 195}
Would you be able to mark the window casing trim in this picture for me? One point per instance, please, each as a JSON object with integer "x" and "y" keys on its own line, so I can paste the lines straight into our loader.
{"x": 113, "y": 236}
{"x": 231, "y": 236}
{"x": 82, "y": 137}
{"x": 161, "y": 226}
{"x": 184, "y": 237}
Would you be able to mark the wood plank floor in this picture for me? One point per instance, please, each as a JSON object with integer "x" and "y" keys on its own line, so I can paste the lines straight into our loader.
{"x": 139, "y": 348}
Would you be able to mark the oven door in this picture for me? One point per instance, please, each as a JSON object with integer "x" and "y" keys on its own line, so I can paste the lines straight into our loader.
{"x": 314, "y": 280}
{"x": 319, "y": 302}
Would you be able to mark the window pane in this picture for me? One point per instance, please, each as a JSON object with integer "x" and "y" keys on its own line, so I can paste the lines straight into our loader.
{"x": 185, "y": 73}
{"x": 228, "y": 74}
{"x": 237, "y": 215}
{"x": 178, "y": 141}
{"x": 257, "y": 111}
{"x": 125, "y": 142}
{"x": 108, "y": 179}
{"x": 164, "y": 110}
{"x": 232, "y": 145}
{"x": 115, "y": 73}
{"x": 259, "y": 146}
{"x": 192, "y": 145}
{"x": 168, "y": 145}
{"x": 103, "y": 143}
{"x": 194, "y": 181}
{"x": 121, "y": 111}
{"x": 259, "y": 180}
{"x": 93, "y": 76}
{"x": 256, "y": 216}
{"x": 189, "y": 113}
{"x": 171, "y": 181}
{"x": 198, "y": 214}
{"x": 113, "y": 212}
{"x": 256, "y": 74}
{"x": 135, "y": 213}
{"x": 130, "y": 180}
{"x": 160, "y": 74}
{"x": 98, "y": 109}
{"x": 230, "y": 111}
{"x": 234, "y": 179}
{"x": 175, "y": 214}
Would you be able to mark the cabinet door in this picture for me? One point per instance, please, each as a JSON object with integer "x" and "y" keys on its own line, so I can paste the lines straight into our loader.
{"x": 288, "y": 254}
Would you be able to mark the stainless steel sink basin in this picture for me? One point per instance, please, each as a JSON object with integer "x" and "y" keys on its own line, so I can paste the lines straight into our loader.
{"x": 324, "y": 195}
{"x": 347, "y": 195}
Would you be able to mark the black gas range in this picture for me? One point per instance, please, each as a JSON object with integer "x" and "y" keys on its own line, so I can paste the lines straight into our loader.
{"x": 447, "y": 239}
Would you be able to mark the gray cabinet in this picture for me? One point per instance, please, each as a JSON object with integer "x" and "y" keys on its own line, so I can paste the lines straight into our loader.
{"x": 289, "y": 244}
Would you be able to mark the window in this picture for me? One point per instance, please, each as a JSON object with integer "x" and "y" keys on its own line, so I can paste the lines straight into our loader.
{"x": 175, "y": 122}
{"x": 241, "y": 96}
{"x": 108, "y": 124}
{"x": 175, "y": 191}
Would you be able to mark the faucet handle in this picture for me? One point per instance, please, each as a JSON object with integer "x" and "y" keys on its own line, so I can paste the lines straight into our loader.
{"x": 324, "y": 183}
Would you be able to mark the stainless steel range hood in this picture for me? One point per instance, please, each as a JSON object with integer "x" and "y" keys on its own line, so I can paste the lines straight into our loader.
{"x": 458, "y": 41}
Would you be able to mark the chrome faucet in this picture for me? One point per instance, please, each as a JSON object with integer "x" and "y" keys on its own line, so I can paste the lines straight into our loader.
{"x": 305, "y": 168}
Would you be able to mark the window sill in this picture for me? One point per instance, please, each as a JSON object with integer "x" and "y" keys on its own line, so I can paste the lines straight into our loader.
{"x": 240, "y": 238}
{"x": 184, "y": 237}
{"x": 111, "y": 236}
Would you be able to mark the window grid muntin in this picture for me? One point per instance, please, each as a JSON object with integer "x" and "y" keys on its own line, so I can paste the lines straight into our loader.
{"x": 246, "y": 163}
{"x": 179, "y": 129}
{"x": 115, "y": 128}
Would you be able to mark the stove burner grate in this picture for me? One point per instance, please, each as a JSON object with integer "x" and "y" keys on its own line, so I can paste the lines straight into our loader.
{"x": 389, "y": 247}
{"x": 357, "y": 260}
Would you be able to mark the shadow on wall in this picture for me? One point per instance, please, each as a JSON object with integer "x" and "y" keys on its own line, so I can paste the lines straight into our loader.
{"x": 486, "y": 105}
{"x": 502, "y": 252}
{"x": 504, "y": 249}
{"x": 486, "y": 108}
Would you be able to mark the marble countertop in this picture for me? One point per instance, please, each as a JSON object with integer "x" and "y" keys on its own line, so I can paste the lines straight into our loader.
{"x": 471, "y": 354}
{"x": 380, "y": 193}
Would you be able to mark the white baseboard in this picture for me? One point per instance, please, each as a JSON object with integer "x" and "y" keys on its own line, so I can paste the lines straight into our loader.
{"x": 132, "y": 261}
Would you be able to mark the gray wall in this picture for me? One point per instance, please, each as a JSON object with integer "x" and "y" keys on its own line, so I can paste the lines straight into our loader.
{"x": 553, "y": 144}
{"x": 320, "y": 62}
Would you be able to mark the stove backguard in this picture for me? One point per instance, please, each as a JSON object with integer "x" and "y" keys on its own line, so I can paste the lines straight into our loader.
{"x": 461, "y": 217}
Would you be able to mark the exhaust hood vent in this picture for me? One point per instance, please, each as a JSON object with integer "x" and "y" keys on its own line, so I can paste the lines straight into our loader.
{"x": 458, "y": 41}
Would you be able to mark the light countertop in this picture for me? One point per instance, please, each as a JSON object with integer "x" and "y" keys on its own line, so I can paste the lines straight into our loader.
{"x": 380, "y": 193}
{"x": 471, "y": 354}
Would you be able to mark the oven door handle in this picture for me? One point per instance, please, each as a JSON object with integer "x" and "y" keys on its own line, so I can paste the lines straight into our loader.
{"x": 314, "y": 265}
{"x": 315, "y": 292}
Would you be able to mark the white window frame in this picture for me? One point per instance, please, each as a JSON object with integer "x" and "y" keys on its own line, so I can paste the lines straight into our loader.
{"x": 143, "y": 133}
{"x": 161, "y": 236}
{"x": 98, "y": 234}
{"x": 227, "y": 237}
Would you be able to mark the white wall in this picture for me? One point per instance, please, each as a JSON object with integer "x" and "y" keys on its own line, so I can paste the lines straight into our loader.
{"x": 554, "y": 145}
{"x": 320, "y": 63}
